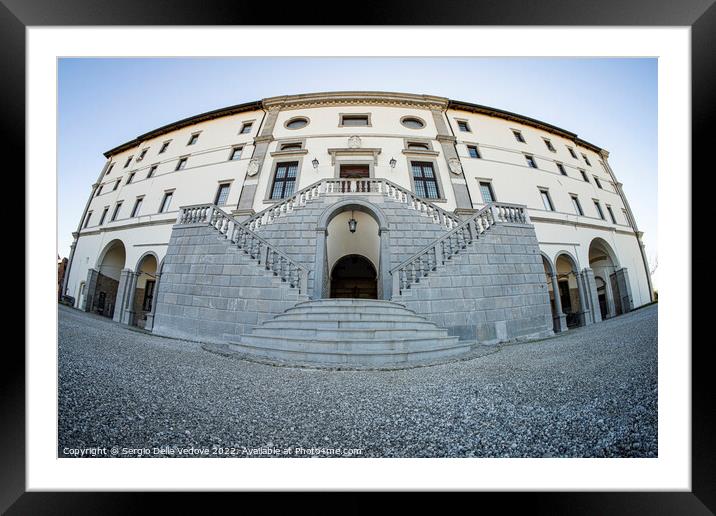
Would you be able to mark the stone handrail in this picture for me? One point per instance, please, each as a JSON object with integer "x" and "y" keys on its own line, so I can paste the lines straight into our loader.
{"x": 353, "y": 186}
{"x": 445, "y": 247}
{"x": 265, "y": 253}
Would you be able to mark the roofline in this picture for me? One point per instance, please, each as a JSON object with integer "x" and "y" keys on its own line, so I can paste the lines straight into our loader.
{"x": 294, "y": 101}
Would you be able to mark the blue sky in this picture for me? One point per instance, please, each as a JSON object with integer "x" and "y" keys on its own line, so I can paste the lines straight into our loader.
{"x": 611, "y": 103}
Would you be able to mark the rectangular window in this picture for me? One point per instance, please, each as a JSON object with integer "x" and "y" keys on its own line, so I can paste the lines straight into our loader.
{"x": 109, "y": 169}
{"x": 599, "y": 209}
{"x": 165, "y": 145}
{"x": 143, "y": 153}
{"x": 152, "y": 169}
{"x": 486, "y": 190}
{"x": 549, "y": 145}
{"x": 463, "y": 126}
{"x": 596, "y": 182}
{"x": 130, "y": 177}
{"x": 129, "y": 160}
{"x": 222, "y": 194}
{"x": 354, "y": 121}
{"x": 584, "y": 175}
{"x": 546, "y": 200}
{"x": 291, "y": 146}
{"x": 561, "y": 169}
{"x": 518, "y": 136}
{"x": 586, "y": 159}
{"x": 425, "y": 181}
{"x": 285, "y": 180}
{"x": 571, "y": 151}
{"x": 611, "y": 214}
{"x": 87, "y": 219}
{"x": 181, "y": 164}
{"x": 235, "y": 153}
{"x": 577, "y": 205}
{"x": 246, "y": 127}
{"x": 474, "y": 153}
{"x": 116, "y": 211}
{"x": 166, "y": 201}
{"x": 104, "y": 215}
{"x": 116, "y": 184}
{"x": 137, "y": 206}
{"x": 626, "y": 217}
{"x": 531, "y": 161}
{"x": 99, "y": 190}
{"x": 193, "y": 139}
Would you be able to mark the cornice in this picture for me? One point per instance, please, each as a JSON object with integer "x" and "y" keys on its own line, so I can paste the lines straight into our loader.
{"x": 357, "y": 98}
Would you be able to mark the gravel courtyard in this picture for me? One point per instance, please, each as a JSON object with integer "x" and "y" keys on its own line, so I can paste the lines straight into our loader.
{"x": 591, "y": 392}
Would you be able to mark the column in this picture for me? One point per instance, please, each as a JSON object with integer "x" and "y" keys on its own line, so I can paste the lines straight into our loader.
{"x": 559, "y": 319}
{"x": 593, "y": 296}
{"x": 121, "y": 299}
{"x": 625, "y": 290}
{"x": 128, "y": 314}
{"x": 609, "y": 294}
{"x": 584, "y": 317}
{"x": 90, "y": 290}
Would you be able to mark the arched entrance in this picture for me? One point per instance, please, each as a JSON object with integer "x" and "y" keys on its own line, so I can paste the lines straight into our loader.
{"x": 352, "y": 252}
{"x": 570, "y": 290}
{"x": 103, "y": 297}
{"x": 604, "y": 263}
{"x": 354, "y": 276}
{"x": 144, "y": 292}
{"x": 558, "y": 317}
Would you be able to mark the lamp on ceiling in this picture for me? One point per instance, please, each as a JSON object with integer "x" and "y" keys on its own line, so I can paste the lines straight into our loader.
{"x": 352, "y": 223}
{"x": 315, "y": 163}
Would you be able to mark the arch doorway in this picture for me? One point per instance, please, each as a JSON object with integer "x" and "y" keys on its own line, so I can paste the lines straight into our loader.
{"x": 109, "y": 268}
{"x": 603, "y": 261}
{"x": 142, "y": 300}
{"x": 354, "y": 276}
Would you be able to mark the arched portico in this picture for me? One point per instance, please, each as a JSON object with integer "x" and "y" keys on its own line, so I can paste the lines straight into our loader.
{"x": 559, "y": 320}
{"x": 605, "y": 264}
{"x": 102, "y": 285}
{"x": 571, "y": 289}
{"x": 335, "y": 240}
{"x": 142, "y": 290}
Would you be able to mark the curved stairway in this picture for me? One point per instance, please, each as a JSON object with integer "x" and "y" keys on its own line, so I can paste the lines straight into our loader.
{"x": 352, "y": 332}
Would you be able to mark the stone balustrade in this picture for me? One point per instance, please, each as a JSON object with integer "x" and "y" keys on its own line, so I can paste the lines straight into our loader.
{"x": 343, "y": 186}
{"x": 264, "y": 253}
{"x": 444, "y": 248}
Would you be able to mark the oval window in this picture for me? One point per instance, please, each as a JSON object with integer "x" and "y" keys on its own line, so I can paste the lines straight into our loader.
{"x": 297, "y": 123}
{"x": 413, "y": 123}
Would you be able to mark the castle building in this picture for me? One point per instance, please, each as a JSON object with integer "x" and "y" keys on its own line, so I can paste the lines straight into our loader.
{"x": 357, "y": 228}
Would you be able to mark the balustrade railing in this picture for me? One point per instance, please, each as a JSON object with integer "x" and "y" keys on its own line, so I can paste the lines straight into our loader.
{"x": 264, "y": 253}
{"x": 442, "y": 249}
{"x": 344, "y": 186}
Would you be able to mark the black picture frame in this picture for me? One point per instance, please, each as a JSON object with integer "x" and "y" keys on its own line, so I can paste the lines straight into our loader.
{"x": 700, "y": 15}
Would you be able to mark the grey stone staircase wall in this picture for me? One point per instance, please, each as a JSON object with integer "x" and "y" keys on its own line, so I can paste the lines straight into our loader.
{"x": 209, "y": 288}
{"x": 492, "y": 291}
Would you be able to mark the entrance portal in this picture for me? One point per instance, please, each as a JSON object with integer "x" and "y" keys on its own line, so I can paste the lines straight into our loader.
{"x": 354, "y": 276}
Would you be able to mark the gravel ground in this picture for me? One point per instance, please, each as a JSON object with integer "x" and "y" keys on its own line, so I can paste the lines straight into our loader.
{"x": 591, "y": 392}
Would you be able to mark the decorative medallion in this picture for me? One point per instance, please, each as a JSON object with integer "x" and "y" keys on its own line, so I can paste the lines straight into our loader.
{"x": 354, "y": 142}
{"x": 253, "y": 167}
{"x": 455, "y": 166}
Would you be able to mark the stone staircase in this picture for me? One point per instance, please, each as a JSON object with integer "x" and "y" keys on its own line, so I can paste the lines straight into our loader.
{"x": 349, "y": 332}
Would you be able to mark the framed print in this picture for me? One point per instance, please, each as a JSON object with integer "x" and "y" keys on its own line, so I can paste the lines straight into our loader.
{"x": 276, "y": 252}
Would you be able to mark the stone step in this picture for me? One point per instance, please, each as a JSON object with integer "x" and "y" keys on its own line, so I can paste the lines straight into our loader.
{"x": 351, "y": 316}
{"x": 350, "y": 334}
{"x": 417, "y": 324}
{"x": 359, "y": 346}
{"x": 348, "y": 301}
{"x": 352, "y": 309}
{"x": 353, "y": 358}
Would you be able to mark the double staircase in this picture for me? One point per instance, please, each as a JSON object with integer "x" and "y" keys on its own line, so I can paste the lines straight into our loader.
{"x": 349, "y": 332}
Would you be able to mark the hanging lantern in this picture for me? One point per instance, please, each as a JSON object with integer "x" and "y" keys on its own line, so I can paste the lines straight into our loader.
{"x": 352, "y": 224}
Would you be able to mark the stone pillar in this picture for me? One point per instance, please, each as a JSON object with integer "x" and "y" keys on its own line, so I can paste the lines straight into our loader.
{"x": 128, "y": 313}
{"x": 622, "y": 276}
{"x": 609, "y": 295}
{"x": 559, "y": 319}
{"x": 591, "y": 291}
{"x": 125, "y": 278}
{"x": 320, "y": 274}
{"x": 90, "y": 290}
{"x": 584, "y": 316}
{"x": 155, "y": 299}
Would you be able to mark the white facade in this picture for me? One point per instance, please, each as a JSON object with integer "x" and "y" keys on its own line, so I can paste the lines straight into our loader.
{"x": 449, "y": 129}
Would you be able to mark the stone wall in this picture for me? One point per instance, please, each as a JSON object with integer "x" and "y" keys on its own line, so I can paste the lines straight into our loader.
{"x": 493, "y": 291}
{"x": 210, "y": 288}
